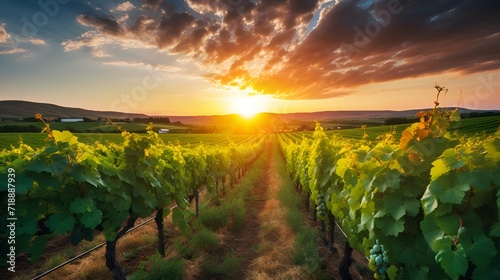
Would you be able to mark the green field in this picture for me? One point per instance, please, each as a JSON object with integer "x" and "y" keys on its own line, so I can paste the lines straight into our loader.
{"x": 465, "y": 127}
{"x": 37, "y": 140}
{"x": 98, "y": 126}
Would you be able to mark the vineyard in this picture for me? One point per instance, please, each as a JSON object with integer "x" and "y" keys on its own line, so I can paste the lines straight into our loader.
{"x": 69, "y": 186}
{"x": 38, "y": 140}
{"x": 466, "y": 127}
{"x": 425, "y": 206}
{"x": 419, "y": 201}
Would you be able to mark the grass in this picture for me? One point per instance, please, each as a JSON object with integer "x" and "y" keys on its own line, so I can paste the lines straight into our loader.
{"x": 58, "y": 258}
{"x": 305, "y": 250}
{"x": 183, "y": 248}
{"x": 159, "y": 269}
{"x": 305, "y": 245}
{"x": 204, "y": 240}
{"x": 213, "y": 267}
{"x": 215, "y": 217}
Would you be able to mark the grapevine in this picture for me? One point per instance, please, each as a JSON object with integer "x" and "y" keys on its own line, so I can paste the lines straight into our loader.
{"x": 432, "y": 198}
{"x": 71, "y": 187}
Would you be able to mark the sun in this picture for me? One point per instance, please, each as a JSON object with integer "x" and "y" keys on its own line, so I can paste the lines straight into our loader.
{"x": 248, "y": 105}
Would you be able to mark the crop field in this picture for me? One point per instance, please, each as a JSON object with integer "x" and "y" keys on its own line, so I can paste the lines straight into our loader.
{"x": 464, "y": 127}
{"x": 97, "y": 126}
{"x": 37, "y": 140}
{"x": 370, "y": 195}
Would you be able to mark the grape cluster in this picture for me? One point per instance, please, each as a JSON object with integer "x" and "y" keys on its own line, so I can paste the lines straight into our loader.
{"x": 378, "y": 261}
{"x": 321, "y": 208}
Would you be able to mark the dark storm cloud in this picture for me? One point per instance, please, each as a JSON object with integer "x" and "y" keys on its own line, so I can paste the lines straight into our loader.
{"x": 269, "y": 46}
{"x": 106, "y": 24}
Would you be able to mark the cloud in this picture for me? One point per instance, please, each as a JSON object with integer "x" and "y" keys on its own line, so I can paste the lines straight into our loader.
{"x": 153, "y": 4}
{"x": 123, "y": 19}
{"x": 142, "y": 65}
{"x": 37, "y": 41}
{"x": 96, "y": 52}
{"x": 105, "y": 24}
{"x": 12, "y": 51}
{"x": 4, "y": 36}
{"x": 298, "y": 49}
{"x": 10, "y": 44}
{"x": 125, "y": 7}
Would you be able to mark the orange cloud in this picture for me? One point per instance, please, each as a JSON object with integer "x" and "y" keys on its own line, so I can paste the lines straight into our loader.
{"x": 273, "y": 48}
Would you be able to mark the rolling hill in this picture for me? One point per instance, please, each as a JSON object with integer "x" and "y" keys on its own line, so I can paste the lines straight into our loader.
{"x": 15, "y": 109}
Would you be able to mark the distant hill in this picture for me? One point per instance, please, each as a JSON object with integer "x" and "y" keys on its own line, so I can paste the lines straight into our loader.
{"x": 16, "y": 109}
{"x": 315, "y": 116}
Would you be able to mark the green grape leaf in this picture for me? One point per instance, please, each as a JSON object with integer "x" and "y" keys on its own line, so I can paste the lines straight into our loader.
{"x": 61, "y": 223}
{"x": 38, "y": 165}
{"x": 480, "y": 251}
{"x": 394, "y": 228}
{"x": 343, "y": 165}
{"x": 26, "y": 225}
{"x": 92, "y": 218}
{"x": 397, "y": 205}
{"x": 383, "y": 151}
{"x": 449, "y": 223}
{"x": 94, "y": 179}
{"x": 81, "y": 174}
{"x": 493, "y": 149}
{"x": 381, "y": 213}
{"x": 392, "y": 272}
{"x": 393, "y": 203}
{"x": 65, "y": 136}
{"x": 367, "y": 218}
{"x": 179, "y": 220}
{"x": 455, "y": 117}
{"x": 478, "y": 179}
{"x": 440, "y": 168}
{"x": 452, "y": 161}
{"x": 429, "y": 202}
{"x": 454, "y": 263}
{"x": 23, "y": 183}
{"x": 388, "y": 180}
{"x": 495, "y": 230}
{"x": 418, "y": 273}
{"x": 81, "y": 205}
{"x": 403, "y": 252}
{"x": 454, "y": 195}
{"x": 108, "y": 168}
{"x": 448, "y": 190}
{"x": 430, "y": 230}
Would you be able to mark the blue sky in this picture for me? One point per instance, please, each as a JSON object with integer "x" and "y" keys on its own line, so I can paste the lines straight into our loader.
{"x": 200, "y": 57}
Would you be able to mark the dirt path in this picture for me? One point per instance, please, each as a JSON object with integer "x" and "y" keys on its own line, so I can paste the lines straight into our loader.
{"x": 265, "y": 242}
{"x": 245, "y": 241}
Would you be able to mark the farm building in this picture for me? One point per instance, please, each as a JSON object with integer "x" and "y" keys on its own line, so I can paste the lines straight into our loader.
{"x": 72, "y": 120}
{"x": 163, "y": 130}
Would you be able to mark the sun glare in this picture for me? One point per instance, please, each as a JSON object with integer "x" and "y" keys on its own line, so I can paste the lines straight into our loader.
{"x": 248, "y": 106}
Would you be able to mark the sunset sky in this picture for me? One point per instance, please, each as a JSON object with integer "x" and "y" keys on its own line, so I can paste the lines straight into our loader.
{"x": 204, "y": 57}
